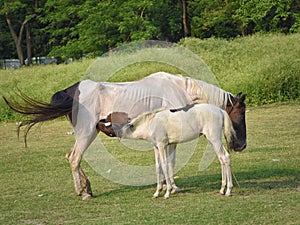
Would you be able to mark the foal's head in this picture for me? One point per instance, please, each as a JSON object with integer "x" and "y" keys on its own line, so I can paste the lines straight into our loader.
{"x": 112, "y": 124}
{"x": 236, "y": 109}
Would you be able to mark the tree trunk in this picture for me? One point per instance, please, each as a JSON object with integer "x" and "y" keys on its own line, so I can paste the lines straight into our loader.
{"x": 17, "y": 39}
{"x": 184, "y": 18}
{"x": 28, "y": 45}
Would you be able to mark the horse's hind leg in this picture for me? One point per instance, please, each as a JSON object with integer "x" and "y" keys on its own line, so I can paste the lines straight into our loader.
{"x": 74, "y": 157}
{"x": 86, "y": 185}
{"x": 82, "y": 184}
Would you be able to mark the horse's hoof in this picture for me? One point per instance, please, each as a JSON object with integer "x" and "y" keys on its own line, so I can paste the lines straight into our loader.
{"x": 166, "y": 197}
{"x": 86, "y": 196}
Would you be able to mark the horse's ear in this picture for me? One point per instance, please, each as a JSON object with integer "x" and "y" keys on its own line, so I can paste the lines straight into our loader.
{"x": 239, "y": 95}
{"x": 243, "y": 97}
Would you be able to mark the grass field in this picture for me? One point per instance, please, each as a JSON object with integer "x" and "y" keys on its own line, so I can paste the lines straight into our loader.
{"x": 37, "y": 186}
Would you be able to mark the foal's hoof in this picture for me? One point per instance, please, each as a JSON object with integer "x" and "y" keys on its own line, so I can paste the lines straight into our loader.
{"x": 155, "y": 196}
{"x": 86, "y": 197}
{"x": 175, "y": 190}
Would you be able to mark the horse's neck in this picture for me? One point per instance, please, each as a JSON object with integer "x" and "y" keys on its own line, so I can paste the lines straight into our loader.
{"x": 202, "y": 92}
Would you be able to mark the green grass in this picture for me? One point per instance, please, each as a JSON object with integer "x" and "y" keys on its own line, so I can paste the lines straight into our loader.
{"x": 268, "y": 194}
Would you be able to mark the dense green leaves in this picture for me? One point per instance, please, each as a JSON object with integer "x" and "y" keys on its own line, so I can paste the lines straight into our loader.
{"x": 67, "y": 28}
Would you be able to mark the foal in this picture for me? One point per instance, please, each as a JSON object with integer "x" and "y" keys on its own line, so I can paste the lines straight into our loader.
{"x": 166, "y": 127}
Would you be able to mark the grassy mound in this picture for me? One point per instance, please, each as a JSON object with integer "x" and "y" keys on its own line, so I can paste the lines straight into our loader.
{"x": 266, "y": 67}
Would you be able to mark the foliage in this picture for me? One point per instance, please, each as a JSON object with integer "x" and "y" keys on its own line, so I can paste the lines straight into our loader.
{"x": 266, "y": 67}
{"x": 90, "y": 28}
{"x": 268, "y": 15}
{"x": 213, "y": 18}
{"x": 93, "y": 27}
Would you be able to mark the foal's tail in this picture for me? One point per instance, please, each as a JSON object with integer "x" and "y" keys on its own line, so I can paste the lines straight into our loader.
{"x": 229, "y": 132}
{"x": 60, "y": 105}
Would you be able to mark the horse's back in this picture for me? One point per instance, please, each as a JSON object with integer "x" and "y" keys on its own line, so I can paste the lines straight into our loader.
{"x": 148, "y": 94}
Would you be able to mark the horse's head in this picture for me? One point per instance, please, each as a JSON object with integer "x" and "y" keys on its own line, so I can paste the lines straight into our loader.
{"x": 113, "y": 123}
{"x": 236, "y": 109}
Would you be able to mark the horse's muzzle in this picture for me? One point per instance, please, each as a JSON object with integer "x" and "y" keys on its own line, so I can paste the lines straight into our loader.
{"x": 240, "y": 148}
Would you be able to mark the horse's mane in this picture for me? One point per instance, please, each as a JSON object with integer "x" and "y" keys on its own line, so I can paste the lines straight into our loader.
{"x": 200, "y": 90}
{"x": 145, "y": 115}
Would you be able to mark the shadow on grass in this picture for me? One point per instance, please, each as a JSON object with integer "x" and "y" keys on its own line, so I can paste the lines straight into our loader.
{"x": 249, "y": 181}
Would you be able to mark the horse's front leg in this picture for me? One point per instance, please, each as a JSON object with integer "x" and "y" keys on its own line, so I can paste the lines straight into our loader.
{"x": 159, "y": 173}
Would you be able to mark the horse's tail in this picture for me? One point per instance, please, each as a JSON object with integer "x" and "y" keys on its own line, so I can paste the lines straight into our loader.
{"x": 61, "y": 105}
{"x": 229, "y": 132}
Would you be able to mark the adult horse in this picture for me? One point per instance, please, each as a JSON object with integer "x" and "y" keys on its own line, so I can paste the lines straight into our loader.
{"x": 87, "y": 102}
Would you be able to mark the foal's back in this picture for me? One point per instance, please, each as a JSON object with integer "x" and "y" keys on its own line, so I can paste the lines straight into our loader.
{"x": 182, "y": 125}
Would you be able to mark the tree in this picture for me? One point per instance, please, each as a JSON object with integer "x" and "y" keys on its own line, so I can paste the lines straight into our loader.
{"x": 93, "y": 27}
{"x": 60, "y": 20}
{"x": 18, "y": 15}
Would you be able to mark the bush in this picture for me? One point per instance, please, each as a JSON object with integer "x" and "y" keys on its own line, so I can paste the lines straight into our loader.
{"x": 266, "y": 67}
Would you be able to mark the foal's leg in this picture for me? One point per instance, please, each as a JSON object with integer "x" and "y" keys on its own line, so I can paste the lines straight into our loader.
{"x": 228, "y": 171}
{"x": 164, "y": 164}
{"x": 224, "y": 159}
{"x": 159, "y": 173}
{"x": 171, "y": 156}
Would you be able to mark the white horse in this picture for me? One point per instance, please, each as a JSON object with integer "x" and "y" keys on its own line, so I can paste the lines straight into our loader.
{"x": 165, "y": 127}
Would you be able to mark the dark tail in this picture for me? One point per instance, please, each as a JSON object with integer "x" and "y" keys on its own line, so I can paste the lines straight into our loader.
{"x": 61, "y": 105}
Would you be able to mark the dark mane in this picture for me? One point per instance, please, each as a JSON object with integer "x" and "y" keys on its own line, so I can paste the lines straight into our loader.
{"x": 185, "y": 108}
